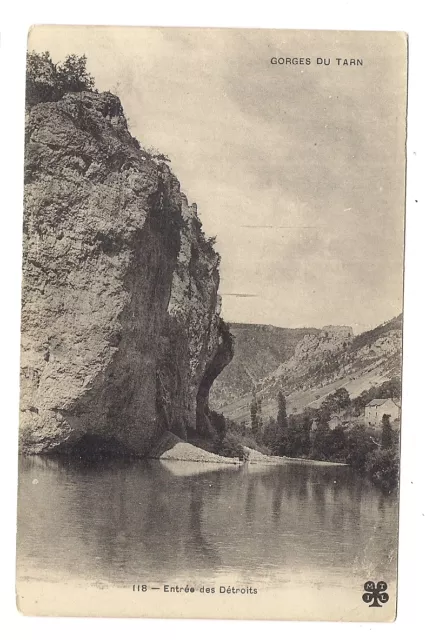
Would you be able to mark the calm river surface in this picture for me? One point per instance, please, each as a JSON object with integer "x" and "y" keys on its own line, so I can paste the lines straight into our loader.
{"x": 153, "y": 521}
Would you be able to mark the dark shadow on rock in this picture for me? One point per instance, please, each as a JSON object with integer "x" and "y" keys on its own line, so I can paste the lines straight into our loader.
{"x": 93, "y": 447}
{"x": 167, "y": 442}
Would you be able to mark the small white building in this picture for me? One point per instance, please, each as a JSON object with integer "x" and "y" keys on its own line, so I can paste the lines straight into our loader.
{"x": 377, "y": 408}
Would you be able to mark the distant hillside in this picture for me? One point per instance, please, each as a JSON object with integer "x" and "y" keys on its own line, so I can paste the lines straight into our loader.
{"x": 259, "y": 350}
{"x": 321, "y": 362}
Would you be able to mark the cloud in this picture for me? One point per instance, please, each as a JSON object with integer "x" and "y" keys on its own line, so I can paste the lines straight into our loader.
{"x": 298, "y": 171}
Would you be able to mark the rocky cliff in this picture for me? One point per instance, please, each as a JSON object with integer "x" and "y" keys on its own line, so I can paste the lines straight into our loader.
{"x": 196, "y": 343}
{"x": 121, "y": 333}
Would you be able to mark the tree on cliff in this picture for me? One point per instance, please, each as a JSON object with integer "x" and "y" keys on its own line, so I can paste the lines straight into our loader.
{"x": 48, "y": 82}
{"x": 386, "y": 432}
{"x": 73, "y": 75}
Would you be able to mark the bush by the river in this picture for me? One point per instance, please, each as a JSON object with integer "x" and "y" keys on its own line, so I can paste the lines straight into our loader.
{"x": 230, "y": 438}
{"x": 382, "y": 466}
{"x": 373, "y": 454}
{"x": 231, "y": 447}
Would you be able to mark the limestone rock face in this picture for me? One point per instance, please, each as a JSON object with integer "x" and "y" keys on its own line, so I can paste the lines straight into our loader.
{"x": 108, "y": 293}
{"x": 196, "y": 344}
{"x": 331, "y": 339}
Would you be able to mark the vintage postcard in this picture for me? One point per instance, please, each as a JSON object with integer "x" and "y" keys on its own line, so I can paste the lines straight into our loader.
{"x": 212, "y": 323}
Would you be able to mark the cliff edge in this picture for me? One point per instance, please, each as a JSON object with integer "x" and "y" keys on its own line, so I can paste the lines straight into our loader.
{"x": 121, "y": 329}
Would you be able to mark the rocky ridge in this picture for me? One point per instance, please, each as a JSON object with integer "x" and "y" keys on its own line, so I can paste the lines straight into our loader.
{"x": 323, "y": 362}
{"x": 259, "y": 350}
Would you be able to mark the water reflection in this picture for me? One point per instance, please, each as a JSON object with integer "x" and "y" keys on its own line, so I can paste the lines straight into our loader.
{"x": 137, "y": 520}
{"x": 250, "y": 501}
{"x": 277, "y": 497}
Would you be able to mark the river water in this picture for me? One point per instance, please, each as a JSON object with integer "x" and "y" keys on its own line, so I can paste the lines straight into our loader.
{"x": 127, "y": 522}
{"x": 152, "y": 522}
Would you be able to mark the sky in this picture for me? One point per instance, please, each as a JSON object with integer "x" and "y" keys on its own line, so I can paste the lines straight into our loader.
{"x": 298, "y": 170}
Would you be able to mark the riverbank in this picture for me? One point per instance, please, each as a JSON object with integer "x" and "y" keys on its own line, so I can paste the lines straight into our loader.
{"x": 171, "y": 447}
{"x": 187, "y": 452}
{"x": 324, "y": 463}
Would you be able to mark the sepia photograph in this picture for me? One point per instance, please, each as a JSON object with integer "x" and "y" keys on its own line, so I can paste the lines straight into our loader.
{"x": 211, "y": 323}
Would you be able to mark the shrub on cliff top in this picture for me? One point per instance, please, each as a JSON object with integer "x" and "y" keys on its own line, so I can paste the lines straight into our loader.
{"x": 48, "y": 82}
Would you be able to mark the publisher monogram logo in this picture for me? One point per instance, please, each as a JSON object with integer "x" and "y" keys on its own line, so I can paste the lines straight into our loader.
{"x": 375, "y": 594}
